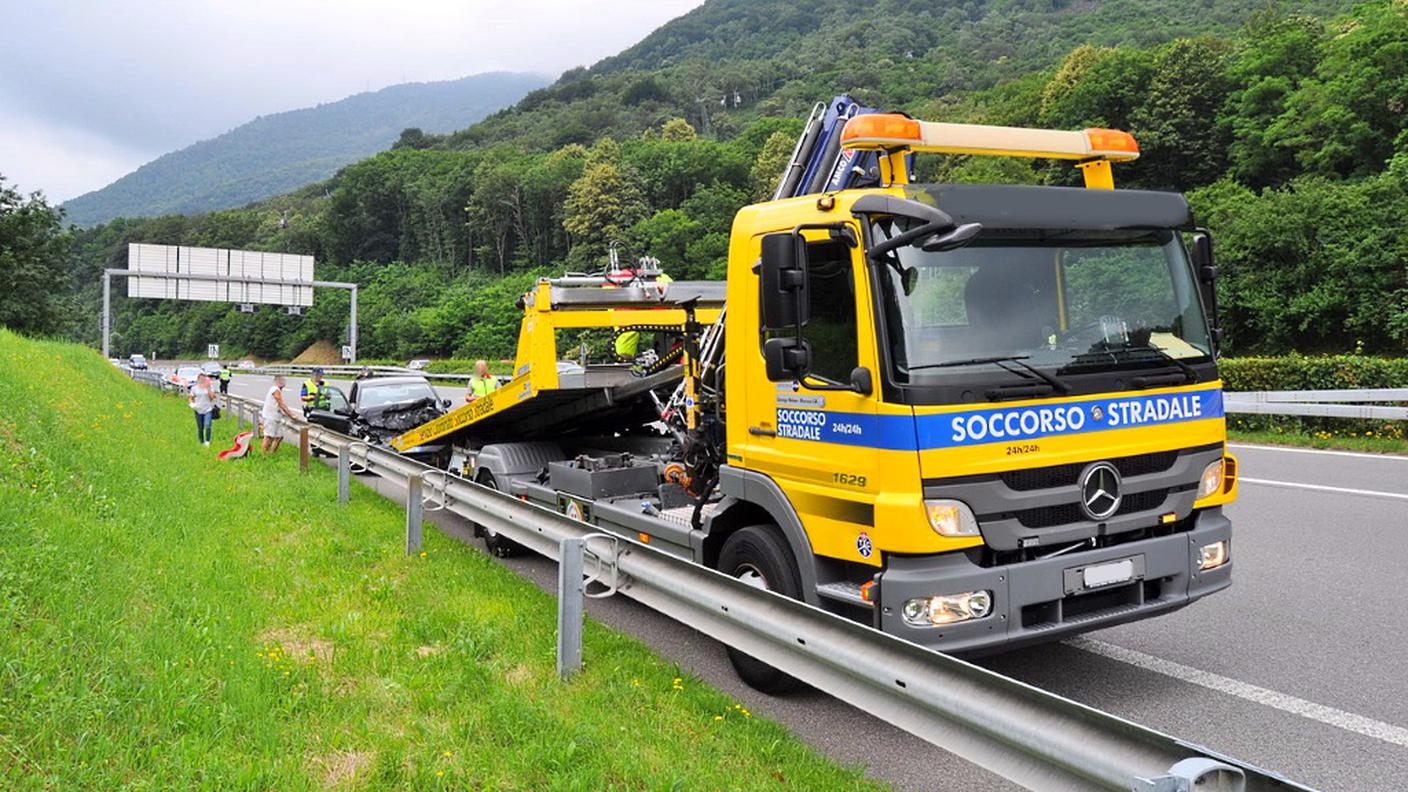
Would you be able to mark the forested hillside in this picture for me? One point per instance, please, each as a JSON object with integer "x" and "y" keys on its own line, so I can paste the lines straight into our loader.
{"x": 277, "y": 153}
{"x": 1287, "y": 130}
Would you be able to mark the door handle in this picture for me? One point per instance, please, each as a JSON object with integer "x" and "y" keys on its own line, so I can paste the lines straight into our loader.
{"x": 761, "y": 431}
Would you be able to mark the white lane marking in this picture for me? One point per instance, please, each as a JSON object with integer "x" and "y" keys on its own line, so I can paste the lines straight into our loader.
{"x": 1356, "y": 454}
{"x": 1323, "y": 488}
{"x": 1320, "y": 713}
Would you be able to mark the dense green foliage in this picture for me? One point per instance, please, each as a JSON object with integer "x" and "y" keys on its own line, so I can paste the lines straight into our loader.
{"x": 1287, "y": 132}
{"x": 284, "y": 151}
{"x": 1328, "y": 372}
{"x": 34, "y": 262}
{"x": 173, "y": 621}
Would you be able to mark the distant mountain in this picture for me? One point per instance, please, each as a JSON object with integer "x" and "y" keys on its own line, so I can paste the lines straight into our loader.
{"x": 278, "y": 153}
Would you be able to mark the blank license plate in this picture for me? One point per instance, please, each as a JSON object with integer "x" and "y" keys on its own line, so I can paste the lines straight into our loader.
{"x": 1109, "y": 574}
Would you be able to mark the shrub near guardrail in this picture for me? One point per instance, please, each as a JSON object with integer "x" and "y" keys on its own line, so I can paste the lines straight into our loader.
{"x": 1320, "y": 372}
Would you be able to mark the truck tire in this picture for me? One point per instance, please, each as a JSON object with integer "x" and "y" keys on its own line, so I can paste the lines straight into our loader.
{"x": 498, "y": 546}
{"x": 759, "y": 556}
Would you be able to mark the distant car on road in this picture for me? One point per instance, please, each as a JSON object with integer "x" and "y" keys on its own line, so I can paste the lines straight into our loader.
{"x": 381, "y": 408}
{"x": 185, "y": 376}
{"x": 247, "y": 364}
{"x": 211, "y": 368}
{"x": 138, "y": 362}
{"x": 116, "y": 362}
{"x": 419, "y": 364}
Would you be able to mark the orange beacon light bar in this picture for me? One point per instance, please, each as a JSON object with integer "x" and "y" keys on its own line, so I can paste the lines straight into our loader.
{"x": 1094, "y": 149}
{"x": 891, "y": 130}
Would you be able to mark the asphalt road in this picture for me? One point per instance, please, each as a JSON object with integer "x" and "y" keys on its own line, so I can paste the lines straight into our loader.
{"x": 1301, "y": 667}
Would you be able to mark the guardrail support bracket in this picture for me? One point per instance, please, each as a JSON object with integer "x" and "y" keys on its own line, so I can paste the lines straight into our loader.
{"x": 1195, "y": 773}
{"x": 570, "y": 606}
{"x": 415, "y": 509}
{"x": 344, "y": 475}
{"x": 303, "y": 450}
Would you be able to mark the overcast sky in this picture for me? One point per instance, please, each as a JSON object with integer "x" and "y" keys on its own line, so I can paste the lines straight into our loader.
{"x": 90, "y": 90}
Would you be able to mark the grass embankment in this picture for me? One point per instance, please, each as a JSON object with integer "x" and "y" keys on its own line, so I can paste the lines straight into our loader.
{"x": 1369, "y": 443}
{"x": 169, "y": 621}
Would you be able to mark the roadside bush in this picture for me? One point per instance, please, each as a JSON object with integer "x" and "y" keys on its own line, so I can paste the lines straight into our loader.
{"x": 1327, "y": 372}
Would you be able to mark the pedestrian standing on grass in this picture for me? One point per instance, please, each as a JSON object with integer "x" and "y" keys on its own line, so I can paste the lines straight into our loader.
{"x": 203, "y": 402}
{"x": 277, "y": 418}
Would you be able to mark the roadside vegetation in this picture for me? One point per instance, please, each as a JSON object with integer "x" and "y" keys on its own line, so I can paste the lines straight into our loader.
{"x": 1284, "y": 125}
{"x": 169, "y": 621}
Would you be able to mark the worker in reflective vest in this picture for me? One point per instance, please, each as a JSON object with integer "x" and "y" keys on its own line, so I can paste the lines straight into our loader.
{"x": 627, "y": 342}
{"x": 225, "y": 375}
{"x": 314, "y": 394}
{"x": 482, "y": 383}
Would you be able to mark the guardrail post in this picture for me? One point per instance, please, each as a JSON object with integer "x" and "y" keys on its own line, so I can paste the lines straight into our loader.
{"x": 415, "y": 509}
{"x": 570, "y": 606}
{"x": 303, "y": 450}
{"x": 344, "y": 475}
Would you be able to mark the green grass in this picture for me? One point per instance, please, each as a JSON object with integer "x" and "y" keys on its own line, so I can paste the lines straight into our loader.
{"x": 1369, "y": 443}
{"x": 169, "y": 621}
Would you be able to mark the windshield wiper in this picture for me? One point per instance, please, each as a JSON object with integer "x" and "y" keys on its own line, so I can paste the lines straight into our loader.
{"x": 998, "y": 360}
{"x": 1187, "y": 373}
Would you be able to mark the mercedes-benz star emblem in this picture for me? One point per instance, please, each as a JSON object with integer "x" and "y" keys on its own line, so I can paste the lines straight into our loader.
{"x": 1100, "y": 490}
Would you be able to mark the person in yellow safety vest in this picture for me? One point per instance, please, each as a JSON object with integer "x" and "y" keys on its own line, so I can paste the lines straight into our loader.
{"x": 628, "y": 341}
{"x": 314, "y": 394}
{"x": 225, "y": 375}
{"x": 482, "y": 383}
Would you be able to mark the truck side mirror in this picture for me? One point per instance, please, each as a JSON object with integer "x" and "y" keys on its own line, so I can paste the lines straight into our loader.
{"x": 782, "y": 271}
{"x": 1206, "y": 272}
{"x": 786, "y": 359}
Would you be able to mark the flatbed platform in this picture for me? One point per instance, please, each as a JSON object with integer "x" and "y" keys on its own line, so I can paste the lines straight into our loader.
{"x": 596, "y": 396}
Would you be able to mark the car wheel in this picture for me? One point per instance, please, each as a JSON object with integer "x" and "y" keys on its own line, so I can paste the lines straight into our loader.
{"x": 759, "y": 556}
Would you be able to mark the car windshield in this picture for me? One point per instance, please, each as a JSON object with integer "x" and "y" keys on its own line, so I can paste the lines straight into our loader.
{"x": 1059, "y": 302}
{"x": 188, "y": 372}
{"x": 380, "y": 394}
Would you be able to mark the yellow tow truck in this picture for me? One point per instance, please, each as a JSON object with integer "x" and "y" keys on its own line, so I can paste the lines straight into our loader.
{"x": 975, "y": 416}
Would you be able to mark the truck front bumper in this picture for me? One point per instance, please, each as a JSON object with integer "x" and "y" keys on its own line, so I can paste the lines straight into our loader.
{"x": 1043, "y": 600}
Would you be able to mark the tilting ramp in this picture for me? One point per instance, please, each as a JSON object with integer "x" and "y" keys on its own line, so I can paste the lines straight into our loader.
{"x": 597, "y": 397}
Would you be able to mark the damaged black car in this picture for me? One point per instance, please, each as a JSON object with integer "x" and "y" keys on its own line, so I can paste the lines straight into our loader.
{"x": 381, "y": 408}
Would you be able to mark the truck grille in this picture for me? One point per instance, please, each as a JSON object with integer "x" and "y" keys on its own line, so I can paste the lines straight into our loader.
{"x": 1040, "y": 506}
{"x": 1067, "y": 475}
{"x": 1049, "y": 516}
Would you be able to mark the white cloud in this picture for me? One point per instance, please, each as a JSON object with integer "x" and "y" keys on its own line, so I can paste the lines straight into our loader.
{"x": 60, "y": 161}
{"x": 156, "y": 75}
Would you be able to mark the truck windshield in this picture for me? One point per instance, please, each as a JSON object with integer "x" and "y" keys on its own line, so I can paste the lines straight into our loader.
{"x": 1064, "y": 303}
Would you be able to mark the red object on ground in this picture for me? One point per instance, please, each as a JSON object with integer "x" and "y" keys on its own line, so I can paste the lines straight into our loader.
{"x": 240, "y": 448}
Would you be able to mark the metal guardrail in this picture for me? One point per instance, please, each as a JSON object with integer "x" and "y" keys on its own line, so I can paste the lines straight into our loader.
{"x": 1032, "y": 737}
{"x": 344, "y": 372}
{"x": 1321, "y": 403}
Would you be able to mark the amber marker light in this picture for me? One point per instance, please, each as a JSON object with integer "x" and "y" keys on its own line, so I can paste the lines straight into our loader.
{"x": 1112, "y": 142}
{"x": 882, "y": 128}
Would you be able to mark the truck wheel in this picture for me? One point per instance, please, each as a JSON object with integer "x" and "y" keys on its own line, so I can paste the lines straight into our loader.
{"x": 759, "y": 556}
{"x": 500, "y": 546}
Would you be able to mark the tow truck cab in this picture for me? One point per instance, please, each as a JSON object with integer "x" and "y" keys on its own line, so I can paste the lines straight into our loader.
{"x": 989, "y": 414}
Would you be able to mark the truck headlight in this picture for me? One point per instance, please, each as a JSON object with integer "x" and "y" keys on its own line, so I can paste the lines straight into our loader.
{"x": 1211, "y": 481}
{"x": 951, "y": 518}
{"x": 947, "y": 608}
{"x": 1212, "y": 556}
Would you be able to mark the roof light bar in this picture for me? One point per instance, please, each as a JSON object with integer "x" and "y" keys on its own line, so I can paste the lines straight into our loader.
{"x": 893, "y": 131}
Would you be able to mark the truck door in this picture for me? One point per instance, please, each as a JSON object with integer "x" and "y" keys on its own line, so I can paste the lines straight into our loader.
{"x": 818, "y": 444}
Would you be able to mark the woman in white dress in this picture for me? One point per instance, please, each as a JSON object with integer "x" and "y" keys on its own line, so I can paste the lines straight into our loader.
{"x": 275, "y": 416}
